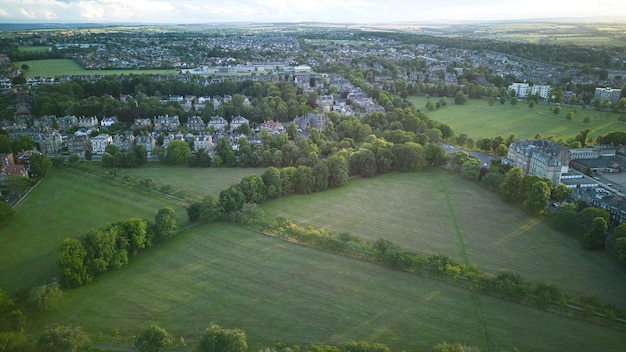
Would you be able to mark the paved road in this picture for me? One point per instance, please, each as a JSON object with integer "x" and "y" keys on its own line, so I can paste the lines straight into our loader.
{"x": 485, "y": 158}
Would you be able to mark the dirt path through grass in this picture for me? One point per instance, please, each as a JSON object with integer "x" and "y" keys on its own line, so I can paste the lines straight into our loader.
{"x": 461, "y": 243}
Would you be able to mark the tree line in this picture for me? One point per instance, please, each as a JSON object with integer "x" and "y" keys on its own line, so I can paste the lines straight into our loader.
{"x": 110, "y": 247}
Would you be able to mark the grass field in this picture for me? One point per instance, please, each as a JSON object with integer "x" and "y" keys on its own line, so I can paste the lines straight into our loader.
{"x": 278, "y": 291}
{"x": 39, "y": 49}
{"x": 197, "y": 182}
{"x": 63, "y": 205}
{"x": 421, "y": 212}
{"x": 60, "y": 67}
{"x": 479, "y": 120}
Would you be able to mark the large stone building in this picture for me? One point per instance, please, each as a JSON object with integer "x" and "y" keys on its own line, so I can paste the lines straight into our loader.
{"x": 543, "y": 158}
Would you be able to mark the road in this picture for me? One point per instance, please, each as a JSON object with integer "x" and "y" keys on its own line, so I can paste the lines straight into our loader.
{"x": 485, "y": 159}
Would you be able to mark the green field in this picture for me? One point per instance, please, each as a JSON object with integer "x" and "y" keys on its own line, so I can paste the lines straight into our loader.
{"x": 479, "y": 120}
{"x": 195, "y": 182}
{"x": 38, "y": 49}
{"x": 63, "y": 205}
{"x": 420, "y": 211}
{"x": 278, "y": 291}
{"x": 60, "y": 67}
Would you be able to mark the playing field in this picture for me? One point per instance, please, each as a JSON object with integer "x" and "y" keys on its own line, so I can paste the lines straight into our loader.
{"x": 194, "y": 182}
{"x": 64, "y": 205}
{"x": 62, "y": 67}
{"x": 436, "y": 212}
{"x": 479, "y": 120}
{"x": 279, "y": 291}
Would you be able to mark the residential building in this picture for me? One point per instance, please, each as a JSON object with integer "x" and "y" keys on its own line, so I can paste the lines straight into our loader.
{"x": 523, "y": 90}
{"x": 204, "y": 141}
{"x": 108, "y": 121}
{"x": 12, "y": 170}
{"x": 149, "y": 142}
{"x": 608, "y": 93}
{"x": 178, "y": 136}
{"x": 195, "y": 123}
{"x": 6, "y": 159}
{"x": 88, "y": 122}
{"x": 67, "y": 122}
{"x": 238, "y": 121}
{"x": 78, "y": 143}
{"x": 45, "y": 122}
{"x": 50, "y": 143}
{"x": 142, "y": 123}
{"x": 166, "y": 123}
{"x": 218, "y": 123}
{"x": 124, "y": 142}
{"x": 100, "y": 142}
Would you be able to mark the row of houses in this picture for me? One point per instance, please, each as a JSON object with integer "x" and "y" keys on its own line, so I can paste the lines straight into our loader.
{"x": 65, "y": 123}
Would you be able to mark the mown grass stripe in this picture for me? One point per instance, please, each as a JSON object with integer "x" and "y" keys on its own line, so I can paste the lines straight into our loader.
{"x": 461, "y": 243}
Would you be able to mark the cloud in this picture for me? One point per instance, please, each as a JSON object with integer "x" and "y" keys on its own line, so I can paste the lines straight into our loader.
{"x": 202, "y": 11}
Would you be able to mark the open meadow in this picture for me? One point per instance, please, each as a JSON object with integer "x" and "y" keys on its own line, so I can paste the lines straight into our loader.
{"x": 194, "y": 182}
{"x": 436, "y": 212}
{"x": 63, "y": 205}
{"x": 278, "y": 291}
{"x": 61, "y": 67}
{"x": 479, "y": 120}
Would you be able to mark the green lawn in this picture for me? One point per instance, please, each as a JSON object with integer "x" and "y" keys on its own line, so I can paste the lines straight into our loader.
{"x": 195, "y": 182}
{"x": 419, "y": 211}
{"x": 479, "y": 120}
{"x": 278, "y": 291}
{"x": 63, "y": 204}
{"x": 59, "y": 67}
{"x": 38, "y": 49}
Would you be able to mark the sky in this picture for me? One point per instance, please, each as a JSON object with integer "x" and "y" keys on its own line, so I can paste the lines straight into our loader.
{"x": 333, "y": 11}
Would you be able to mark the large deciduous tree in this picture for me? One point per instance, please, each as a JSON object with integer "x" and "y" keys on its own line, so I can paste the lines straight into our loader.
{"x": 303, "y": 180}
{"x": 538, "y": 198}
{"x": 273, "y": 183}
{"x": 435, "y": 155}
{"x": 471, "y": 168}
{"x": 595, "y": 237}
{"x": 178, "y": 153}
{"x": 512, "y": 185}
{"x": 337, "y": 171}
{"x": 363, "y": 162}
{"x": 6, "y": 213}
{"x": 231, "y": 200}
{"x": 62, "y": 339}
{"x": 253, "y": 189}
{"x": 219, "y": 339}
{"x": 45, "y": 297}
{"x": 40, "y": 165}
{"x": 154, "y": 339}
{"x": 74, "y": 272}
{"x": 165, "y": 224}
